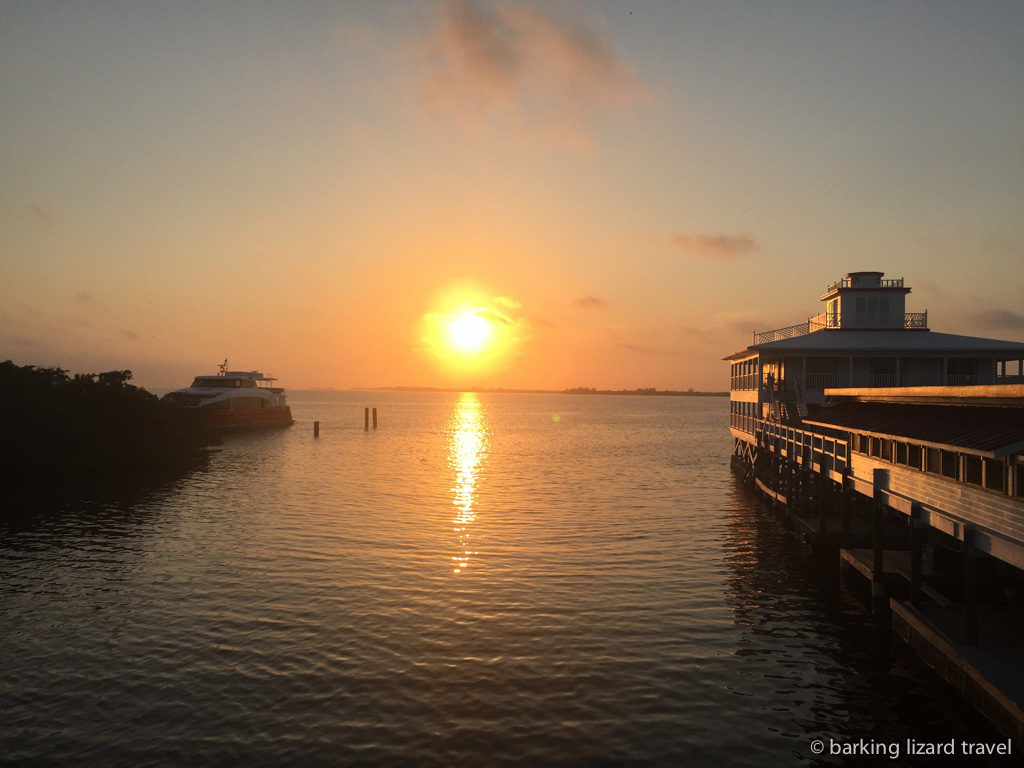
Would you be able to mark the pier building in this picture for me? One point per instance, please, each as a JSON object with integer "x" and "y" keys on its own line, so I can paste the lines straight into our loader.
{"x": 900, "y": 452}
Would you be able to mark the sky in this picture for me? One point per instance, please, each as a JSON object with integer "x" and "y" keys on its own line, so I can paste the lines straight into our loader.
{"x": 623, "y": 191}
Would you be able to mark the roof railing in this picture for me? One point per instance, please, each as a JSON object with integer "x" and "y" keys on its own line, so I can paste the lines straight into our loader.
{"x": 896, "y": 282}
{"x": 912, "y": 321}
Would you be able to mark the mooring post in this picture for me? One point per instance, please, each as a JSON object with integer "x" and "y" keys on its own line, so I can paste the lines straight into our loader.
{"x": 374, "y": 418}
{"x": 366, "y": 419}
{"x": 316, "y": 429}
{"x": 917, "y": 534}
{"x": 877, "y": 531}
{"x": 970, "y": 589}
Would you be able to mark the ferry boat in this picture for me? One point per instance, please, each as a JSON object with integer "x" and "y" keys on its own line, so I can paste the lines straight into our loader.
{"x": 235, "y": 400}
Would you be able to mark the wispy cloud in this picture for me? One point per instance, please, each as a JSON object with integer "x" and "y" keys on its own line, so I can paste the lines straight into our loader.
{"x": 130, "y": 335}
{"x": 716, "y": 246}
{"x": 507, "y": 302}
{"x": 646, "y": 349}
{"x": 42, "y": 214}
{"x": 86, "y": 300}
{"x": 998, "y": 318}
{"x": 590, "y": 302}
{"x": 522, "y": 66}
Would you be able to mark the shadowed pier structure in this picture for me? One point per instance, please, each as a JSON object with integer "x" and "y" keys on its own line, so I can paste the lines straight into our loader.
{"x": 899, "y": 452}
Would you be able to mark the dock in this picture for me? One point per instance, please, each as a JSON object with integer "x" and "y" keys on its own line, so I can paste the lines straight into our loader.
{"x": 898, "y": 453}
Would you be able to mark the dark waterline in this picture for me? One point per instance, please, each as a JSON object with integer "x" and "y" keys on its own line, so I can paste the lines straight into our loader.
{"x": 486, "y": 580}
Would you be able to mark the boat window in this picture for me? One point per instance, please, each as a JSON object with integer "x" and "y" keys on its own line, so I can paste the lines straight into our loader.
{"x": 1018, "y": 486}
{"x": 934, "y": 461}
{"x": 215, "y": 383}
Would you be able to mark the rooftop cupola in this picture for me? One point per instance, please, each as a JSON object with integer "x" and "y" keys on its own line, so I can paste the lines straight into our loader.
{"x": 866, "y": 300}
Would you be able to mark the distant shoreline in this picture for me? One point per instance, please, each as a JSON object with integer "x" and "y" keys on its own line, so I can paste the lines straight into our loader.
{"x": 649, "y": 392}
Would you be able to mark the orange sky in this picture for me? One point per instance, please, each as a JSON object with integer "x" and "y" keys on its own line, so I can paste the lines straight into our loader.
{"x": 635, "y": 190}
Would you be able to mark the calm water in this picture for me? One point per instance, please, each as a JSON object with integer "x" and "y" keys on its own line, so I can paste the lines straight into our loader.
{"x": 484, "y": 580}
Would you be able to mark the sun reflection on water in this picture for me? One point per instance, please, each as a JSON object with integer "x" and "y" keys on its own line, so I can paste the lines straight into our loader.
{"x": 467, "y": 449}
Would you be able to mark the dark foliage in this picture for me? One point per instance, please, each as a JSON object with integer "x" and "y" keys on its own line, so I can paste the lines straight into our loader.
{"x": 88, "y": 430}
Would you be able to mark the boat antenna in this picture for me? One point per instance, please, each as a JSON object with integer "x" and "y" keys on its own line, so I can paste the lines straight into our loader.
{"x": 224, "y": 367}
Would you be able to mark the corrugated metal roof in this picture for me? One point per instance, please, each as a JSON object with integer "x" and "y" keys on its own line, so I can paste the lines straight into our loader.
{"x": 895, "y": 341}
{"x": 986, "y": 430}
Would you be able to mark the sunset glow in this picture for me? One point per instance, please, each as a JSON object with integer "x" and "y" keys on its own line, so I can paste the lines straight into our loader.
{"x": 469, "y": 332}
{"x": 510, "y": 194}
{"x": 472, "y": 333}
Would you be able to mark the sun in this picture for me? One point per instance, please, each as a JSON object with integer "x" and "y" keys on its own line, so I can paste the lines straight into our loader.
{"x": 469, "y": 332}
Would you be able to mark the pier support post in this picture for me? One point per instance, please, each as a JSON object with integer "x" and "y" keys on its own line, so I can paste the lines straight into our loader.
{"x": 917, "y": 535}
{"x": 823, "y": 495}
{"x": 316, "y": 429}
{"x": 374, "y": 418}
{"x": 847, "y": 501}
{"x": 366, "y": 419}
{"x": 970, "y": 590}
{"x": 878, "y": 545}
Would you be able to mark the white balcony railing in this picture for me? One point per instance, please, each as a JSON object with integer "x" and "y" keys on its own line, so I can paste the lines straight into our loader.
{"x": 912, "y": 321}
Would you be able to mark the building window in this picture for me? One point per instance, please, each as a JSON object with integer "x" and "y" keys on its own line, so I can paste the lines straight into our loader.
{"x": 972, "y": 470}
{"x": 914, "y": 456}
{"x": 901, "y": 453}
{"x": 949, "y": 463}
{"x": 995, "y": 475}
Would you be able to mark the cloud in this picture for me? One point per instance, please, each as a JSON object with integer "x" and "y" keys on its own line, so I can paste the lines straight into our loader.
{"x": 42, "y": 214}
{"x": 86, "y": 299}
{"x": 591, "y": 302}
{"x": 522, "y": 66}
{"x": 494, "y": 315}
{"x": 507, "y": 302}
{"x": 998, "y": 318}
{"x": 717, "y": 246}
{"x": 643, "y": 349}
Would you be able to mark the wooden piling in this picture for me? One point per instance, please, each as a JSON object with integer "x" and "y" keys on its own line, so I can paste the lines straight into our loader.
{"x": 970, "y": 590}
{"x": 847, "y": 502}
{"x": 878, "y": 545}
{"x": 374, "y": 418}
{"x": 366, "y": 419}
{"x": 316, "y": 429}
{"x": 917, "y": 535}
{"x": 823, "y": 496}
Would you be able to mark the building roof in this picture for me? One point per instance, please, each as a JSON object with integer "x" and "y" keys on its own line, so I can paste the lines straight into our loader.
{"x": 840, "y": 341}
{"x": 983, "y": 430}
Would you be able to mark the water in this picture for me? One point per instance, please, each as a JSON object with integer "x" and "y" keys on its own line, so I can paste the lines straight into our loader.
{"x": 484, "y": 580}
